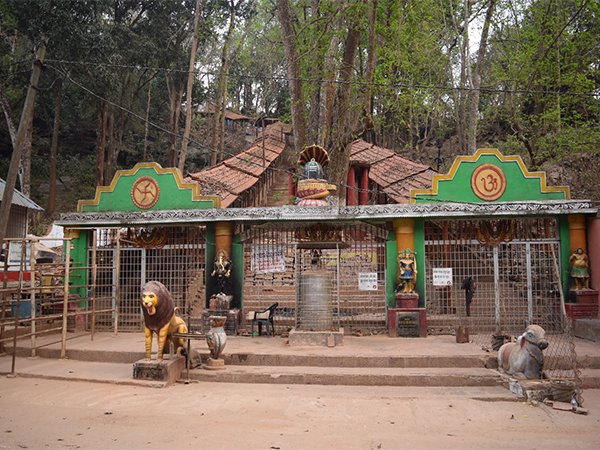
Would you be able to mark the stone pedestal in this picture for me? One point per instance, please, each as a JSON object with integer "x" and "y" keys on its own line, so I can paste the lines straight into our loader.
{"x": 585, "y": 304}
{"x": 214, "y": 364}
{"x": 584, "y": 297}
{"x": 317, "y": 338}
{"x": 168, "y": 370}
{"x": 407, "y": 300}
{"x": 407, "y": 322}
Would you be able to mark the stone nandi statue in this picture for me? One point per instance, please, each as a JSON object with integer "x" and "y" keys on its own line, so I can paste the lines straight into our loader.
{"x": 524, "y": 356}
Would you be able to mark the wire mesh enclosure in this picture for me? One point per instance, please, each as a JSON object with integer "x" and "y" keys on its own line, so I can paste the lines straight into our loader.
{"x": 126, "y": 259}
{"x": 293, "y": 264}
{"x": 515, "y": 266}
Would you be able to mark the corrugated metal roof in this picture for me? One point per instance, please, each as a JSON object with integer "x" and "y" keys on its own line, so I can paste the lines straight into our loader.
{"x": 19, "y": 199}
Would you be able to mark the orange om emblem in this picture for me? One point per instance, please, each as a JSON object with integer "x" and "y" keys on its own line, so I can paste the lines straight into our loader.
{"x": 145, "y": 192}
{"x": 488, "y": 182}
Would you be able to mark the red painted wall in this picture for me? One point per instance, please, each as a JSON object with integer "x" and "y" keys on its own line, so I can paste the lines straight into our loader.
{"x": 593, "y": 251}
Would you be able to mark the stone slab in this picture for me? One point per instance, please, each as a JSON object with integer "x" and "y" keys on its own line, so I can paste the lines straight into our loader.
{"x": 167, "y": 370}
{"x": 587, "y": 329}
{"x": 316, "y": 338}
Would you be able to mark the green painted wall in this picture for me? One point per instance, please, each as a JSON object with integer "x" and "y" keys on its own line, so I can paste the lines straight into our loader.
{"x": 420, "y": 260}
{"x": 172, "y": 195}
{"x": 518, "y": 186}
{"x": 391, "y": 273}
{"x": 565, "y": 254}
{"x": 78, "y": 277}
{"x": 237, "y": 257}
{"x": 210, "y": 258}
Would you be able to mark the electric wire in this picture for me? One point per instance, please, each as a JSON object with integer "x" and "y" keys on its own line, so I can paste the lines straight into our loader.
{"x": 231, "y": 155}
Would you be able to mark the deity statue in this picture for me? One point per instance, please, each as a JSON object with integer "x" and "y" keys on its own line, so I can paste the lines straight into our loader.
{"x": 222, "y": 268}
{"x": 579, "y": 270}
{"x": 407, "y": 271}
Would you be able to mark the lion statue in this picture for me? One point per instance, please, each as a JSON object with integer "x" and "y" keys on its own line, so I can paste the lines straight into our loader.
{"x": 160, "y": 318}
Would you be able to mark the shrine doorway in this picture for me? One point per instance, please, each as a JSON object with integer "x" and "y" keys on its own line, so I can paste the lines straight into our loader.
{"x": 276, "y": 255}
{"x": 515, "y": 264}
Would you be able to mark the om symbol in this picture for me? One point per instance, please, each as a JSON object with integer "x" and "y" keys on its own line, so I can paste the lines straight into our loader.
{"x": 491, "y": 184}
{"x": 488, "y": 182}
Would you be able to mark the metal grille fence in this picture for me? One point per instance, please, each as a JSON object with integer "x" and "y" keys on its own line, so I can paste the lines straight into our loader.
{"x": 278, "y": 256}
{"x": 515, "y": 264}
{"x": 172, "y": 255}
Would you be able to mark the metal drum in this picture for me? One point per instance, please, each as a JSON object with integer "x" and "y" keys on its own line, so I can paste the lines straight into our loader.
{"x": 315, "y": 303}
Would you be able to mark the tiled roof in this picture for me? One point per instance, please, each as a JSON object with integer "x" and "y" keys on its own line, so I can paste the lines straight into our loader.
{"x": 395, "y": 175}
{"x": 239, "y": 173}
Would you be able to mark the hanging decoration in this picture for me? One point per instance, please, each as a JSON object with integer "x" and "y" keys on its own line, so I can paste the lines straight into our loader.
{"x": 495, "y": 231}
{"x": 148, "y": 238}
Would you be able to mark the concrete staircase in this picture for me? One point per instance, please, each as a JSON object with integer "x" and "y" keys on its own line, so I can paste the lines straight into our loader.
{"x": 437, "y": 361}
{"x": 364, "y": 371}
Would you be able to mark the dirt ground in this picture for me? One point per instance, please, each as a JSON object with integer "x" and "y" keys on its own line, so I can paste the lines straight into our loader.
{"x": 48, "y": 414}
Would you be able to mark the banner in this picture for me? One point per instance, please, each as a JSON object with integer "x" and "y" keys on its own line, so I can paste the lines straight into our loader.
{"x": 268, "y": 258}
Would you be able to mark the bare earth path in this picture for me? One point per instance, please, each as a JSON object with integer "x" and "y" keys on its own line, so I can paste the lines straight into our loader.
{"x": 48, "y": 414}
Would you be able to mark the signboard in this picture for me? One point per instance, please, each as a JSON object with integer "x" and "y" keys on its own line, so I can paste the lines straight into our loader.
{"x": 268, "y": 258}
{"x": 408, "y": 324}
{"x": 367, "y": 281}
{"x": 14, "y": 254}
{"x": 442, "y": 277}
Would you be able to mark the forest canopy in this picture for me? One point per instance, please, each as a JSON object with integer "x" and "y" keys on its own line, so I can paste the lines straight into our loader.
{"x": 412, "y": 76}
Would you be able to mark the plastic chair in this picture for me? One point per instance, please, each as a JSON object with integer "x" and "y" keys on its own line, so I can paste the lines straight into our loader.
{"x": 263, "y": 317}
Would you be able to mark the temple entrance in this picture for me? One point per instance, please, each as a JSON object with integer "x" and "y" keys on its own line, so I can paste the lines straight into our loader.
{"x": 125, "y": 259}
{"x": 514, "y": 263}
{"x": 278, "y": 256}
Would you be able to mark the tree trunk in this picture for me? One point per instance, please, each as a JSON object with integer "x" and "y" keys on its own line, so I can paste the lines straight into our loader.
{"x": 344, "y": 131}
{"x": 25, "y": 169}
{"x": 294, "y": 77}
{"x": 111, "y": 147}
{"x": 175, "y": 97}
{"x": 190, "y": 85}
{"x": 26, "y": 119}
{"x": 462, "y": 107}
{"x": 54, "y": 150}
{"x": 145, "y": 156}
{"x": 101, "y": 127}
{"x": 476, "y": 85}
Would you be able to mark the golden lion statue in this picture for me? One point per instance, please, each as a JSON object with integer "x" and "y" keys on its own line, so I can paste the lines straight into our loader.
{"x": 160, "y": 318}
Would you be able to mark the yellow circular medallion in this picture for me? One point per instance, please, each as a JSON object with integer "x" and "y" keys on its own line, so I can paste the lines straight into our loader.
{"x": 488, "y": 182}
{"x": 145, "y": 192}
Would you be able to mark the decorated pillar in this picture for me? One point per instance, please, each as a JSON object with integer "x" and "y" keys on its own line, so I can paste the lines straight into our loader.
{"x": 351, "y": 192}
{"x": 223, "y": 237}
{"x": 405, "y": 233}
{"x": 577, "y": 232}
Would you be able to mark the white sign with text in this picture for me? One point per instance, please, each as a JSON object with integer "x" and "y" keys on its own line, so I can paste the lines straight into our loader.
{"x": 442, "y": 277}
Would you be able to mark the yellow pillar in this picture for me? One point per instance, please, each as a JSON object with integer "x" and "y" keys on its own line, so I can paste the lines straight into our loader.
{"x": 405, "y": 234}
{"x": 577, "y": 232}
{"x": 223, "y": 237}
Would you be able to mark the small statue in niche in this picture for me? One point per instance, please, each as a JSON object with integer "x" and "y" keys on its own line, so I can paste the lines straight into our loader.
{"x": 407, "y": 271}
{"x": 579, "y": 270}
{"x": 222, "y": 268}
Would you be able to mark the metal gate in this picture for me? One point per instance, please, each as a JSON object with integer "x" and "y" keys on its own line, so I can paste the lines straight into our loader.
{"x": 128, "y": 258}
{"x": 276, "y": 255}
{"x": 515, "y": 264}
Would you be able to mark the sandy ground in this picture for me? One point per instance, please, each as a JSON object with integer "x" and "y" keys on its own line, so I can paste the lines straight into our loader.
{"x": 47, "y": 414}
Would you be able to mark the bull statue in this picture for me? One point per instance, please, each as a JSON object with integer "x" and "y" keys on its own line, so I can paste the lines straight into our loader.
{"x": 525, "y": 356}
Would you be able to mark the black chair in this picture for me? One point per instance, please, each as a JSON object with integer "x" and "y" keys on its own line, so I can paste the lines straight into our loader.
{"x": 263, "y": 317}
